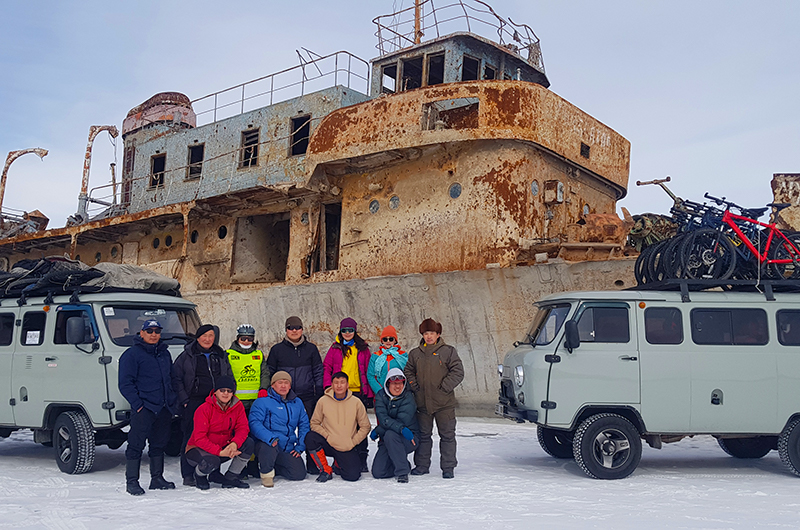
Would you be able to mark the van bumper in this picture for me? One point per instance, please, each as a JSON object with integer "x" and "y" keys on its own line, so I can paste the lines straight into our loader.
{"x": 513, "y": 413}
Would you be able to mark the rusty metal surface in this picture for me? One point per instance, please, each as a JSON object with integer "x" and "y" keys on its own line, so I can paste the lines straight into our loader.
{"x": 524, "y": 112}
{"x": 172, "y": 107}
{"x": 786, "y": 189}
{"x": 13, "y": 155}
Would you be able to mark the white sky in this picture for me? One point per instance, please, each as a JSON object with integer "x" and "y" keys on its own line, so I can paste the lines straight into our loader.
{"x": 705, "y": 91}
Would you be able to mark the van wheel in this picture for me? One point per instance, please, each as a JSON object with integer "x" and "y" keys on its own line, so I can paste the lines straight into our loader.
{"x": 789, "y": 446}
{"x": 607, "y": 446}
{"x": 73, "y": 440}
{"x": 756, "y": 447}
{"x": 555, "y": 443}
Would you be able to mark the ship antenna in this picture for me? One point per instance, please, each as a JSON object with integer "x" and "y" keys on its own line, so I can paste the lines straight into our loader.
{"x": 417, "y": 24}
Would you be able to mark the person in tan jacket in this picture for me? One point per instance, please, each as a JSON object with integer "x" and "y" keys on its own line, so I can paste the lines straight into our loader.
{"x": 339, "y": 428}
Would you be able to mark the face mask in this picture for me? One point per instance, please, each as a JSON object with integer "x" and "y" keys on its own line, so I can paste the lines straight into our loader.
{"x": 246, "y": 346}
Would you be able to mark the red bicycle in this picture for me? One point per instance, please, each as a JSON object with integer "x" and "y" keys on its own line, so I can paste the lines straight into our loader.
{"x": 729, "y": 250}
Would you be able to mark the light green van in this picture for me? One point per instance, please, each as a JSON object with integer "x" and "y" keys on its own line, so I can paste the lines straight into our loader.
{"x": 59, "y": 361}
{"x": 599, "y": 372}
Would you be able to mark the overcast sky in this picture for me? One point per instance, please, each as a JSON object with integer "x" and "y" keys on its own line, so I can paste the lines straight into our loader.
{"x": 705, "y": 91}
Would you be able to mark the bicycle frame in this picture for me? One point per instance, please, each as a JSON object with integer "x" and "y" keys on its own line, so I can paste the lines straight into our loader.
{"x": 728, "y": 218}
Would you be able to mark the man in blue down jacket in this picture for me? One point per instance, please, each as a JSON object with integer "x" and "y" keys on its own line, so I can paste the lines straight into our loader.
{"x": 398, "y": 430}
{"x": 145, "y": 382}
{"x": 279, "y": 424}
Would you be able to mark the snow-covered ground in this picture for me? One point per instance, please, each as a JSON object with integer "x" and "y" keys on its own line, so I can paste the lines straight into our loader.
{"x": 504, "y": 480}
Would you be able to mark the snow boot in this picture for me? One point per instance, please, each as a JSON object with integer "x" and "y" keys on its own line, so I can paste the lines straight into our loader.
{"x": 419, "y": 471}
{"x": 201, "y": 481}
{"x": 325, "y": 471}
{"x": 132, "y": 477}
{"x": 232, "y": 480}
{"x": 402, "y": 478}
{"x": 157, "y": 481}
{"x": 311, "y": 467}
{"x": 448, "y": 474}
{"x": 268, "y": 479}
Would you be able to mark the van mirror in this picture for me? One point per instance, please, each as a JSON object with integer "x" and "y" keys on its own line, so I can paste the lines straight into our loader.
{"x": 76, "y": 330}
{"x": 571, "y": 338}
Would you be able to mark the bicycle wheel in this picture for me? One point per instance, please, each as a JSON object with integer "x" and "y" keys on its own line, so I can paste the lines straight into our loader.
{"x": 707, "y": 254}
{"x": 782, "y": 250}
{"x": 671, "y": 262}
{"x": 641, "y": 263}
{"x": 652, "y": 271}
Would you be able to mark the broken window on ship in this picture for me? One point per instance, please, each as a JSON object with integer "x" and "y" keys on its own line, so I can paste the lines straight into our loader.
{"x": 195, "y": 166}
{"x": 158, "y": 164}
{"x": 412, "y": 73}
{"x": 389, "y": 79}
{"x": 261, "y": 248}
{"x": 470, "y": 68}
{"x": 435, "y": 69}
{"x": 249, "y": 149}
{"x": 301, "y": 130}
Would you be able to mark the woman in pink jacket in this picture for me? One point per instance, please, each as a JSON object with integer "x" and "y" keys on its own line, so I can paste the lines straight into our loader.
{"x": 350, "y": 354}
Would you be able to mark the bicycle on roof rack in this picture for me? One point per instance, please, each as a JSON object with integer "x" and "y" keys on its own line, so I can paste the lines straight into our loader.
{"x": 717, "y": 244}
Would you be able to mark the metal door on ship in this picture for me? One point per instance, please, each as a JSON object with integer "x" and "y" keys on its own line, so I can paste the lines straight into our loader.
{"x": 603, "y": 369}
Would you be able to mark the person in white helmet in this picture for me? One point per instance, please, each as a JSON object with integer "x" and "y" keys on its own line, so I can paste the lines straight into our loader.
{"x": 246, "y": 360}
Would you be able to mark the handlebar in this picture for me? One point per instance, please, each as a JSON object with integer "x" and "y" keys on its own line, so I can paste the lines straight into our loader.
{"x": 660, "y": 182}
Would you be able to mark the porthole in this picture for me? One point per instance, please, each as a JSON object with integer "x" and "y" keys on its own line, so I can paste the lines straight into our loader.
{"x": 374, "y": 206}
{"x": 222, "y": 232}
{"x": 168, "y": 241}
{"x": 394, "y": 202}
{"x": 98, "y": 257}
{"x": 304, "y": 218}
{"x": 535, "y": 188}
{"x": 455, "y": 190}
{"x": 156, "y": 242}
{"x": 114, "y": 252}
{"x": 194, "y": 236}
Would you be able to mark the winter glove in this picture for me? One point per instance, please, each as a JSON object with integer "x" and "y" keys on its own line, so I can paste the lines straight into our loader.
{"x": 262, "y": 392}
{"x": 407, "y": 434}
{"x": 374, "y": 434}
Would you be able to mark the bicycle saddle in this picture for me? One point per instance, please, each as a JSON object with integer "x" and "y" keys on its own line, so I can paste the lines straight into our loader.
{"x": 755, "y": 213}
{"x": 778, "y": 205}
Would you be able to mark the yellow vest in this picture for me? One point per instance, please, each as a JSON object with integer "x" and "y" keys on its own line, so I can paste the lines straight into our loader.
{"x": 247, "y": 372}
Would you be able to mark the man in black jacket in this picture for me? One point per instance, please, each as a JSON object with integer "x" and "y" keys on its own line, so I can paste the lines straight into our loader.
{"x": 144, "y": 381}
{"x": 194, "y": 376}
{"x": 302, "y": 361}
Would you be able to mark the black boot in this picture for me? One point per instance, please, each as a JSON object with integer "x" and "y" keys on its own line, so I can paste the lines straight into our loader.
{"x": 232, "y": 480}
{"x": 132, "y": 477}
{"x": 157, "y": 481}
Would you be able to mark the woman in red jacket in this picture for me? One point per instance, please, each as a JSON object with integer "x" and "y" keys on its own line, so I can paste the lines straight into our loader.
{"x": 220, "y": 434}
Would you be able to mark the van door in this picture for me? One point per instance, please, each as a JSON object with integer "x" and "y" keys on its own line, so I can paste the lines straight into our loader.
{"x": 6, "y": 359}
{"x": 29, "y": 368}
{"x": 603, "y": 369}
{"x": 65, "y": 373}
{"x": 734, "y": 371}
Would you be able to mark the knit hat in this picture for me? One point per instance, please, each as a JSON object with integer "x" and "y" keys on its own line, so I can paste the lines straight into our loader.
{"x": 348, "y": 323}
{"x": 225, "y": 381}
{"x": 389, "y": 331}
{"x": 280, "y": 376}
{"x": 430, "y": 324}
{"x": 205, "y": 328}
{"x": 294, "y": 321}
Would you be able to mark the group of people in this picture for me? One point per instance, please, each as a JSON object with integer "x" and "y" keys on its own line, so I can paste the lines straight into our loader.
{"x": 263, "y": 412}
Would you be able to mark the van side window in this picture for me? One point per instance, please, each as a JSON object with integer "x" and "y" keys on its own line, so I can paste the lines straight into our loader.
{"x": 604, "y": 324}
{"x": 6, "y": 328}
{"x": 60, "y": 336}
{"x": 33, "y": 328}
{"x": 789, "y": 327}
{"x": 729, "y": 326}
{"x": 663, "y": 325}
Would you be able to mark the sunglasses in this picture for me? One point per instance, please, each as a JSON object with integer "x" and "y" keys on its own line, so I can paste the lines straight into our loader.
{"x": 225, "y": 390}
{"x": 293, "y": 328}
{"x": 387, "y": 339}
{"x": 397, "y": 379}
{"x": 348, "y": 330}
{"x": 150, "y": 331}
{"x": 246, "y": 339}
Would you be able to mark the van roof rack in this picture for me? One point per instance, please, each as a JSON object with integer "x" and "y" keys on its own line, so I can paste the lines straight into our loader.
{"x": 766, "y": 286}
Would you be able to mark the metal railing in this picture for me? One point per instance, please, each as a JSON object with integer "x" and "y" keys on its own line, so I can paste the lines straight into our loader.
{"x": 397, "y": 30}
{"x": 339, "y": 68}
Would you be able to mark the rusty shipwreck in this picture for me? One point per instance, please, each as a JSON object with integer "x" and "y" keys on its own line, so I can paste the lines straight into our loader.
{"x": 442, "y": 179}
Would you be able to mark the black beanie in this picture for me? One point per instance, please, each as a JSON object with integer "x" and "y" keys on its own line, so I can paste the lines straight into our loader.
{"x": 205, "y": 328}
{"x": 225, "y": 381}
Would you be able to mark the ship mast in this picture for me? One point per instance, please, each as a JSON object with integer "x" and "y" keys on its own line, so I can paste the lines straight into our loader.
{"x": 417, "y": 30}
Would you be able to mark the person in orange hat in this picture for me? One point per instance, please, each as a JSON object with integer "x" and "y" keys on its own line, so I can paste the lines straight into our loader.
{"x": 389, "y": 355}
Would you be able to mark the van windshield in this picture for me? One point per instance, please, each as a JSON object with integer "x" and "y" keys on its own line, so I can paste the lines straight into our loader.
{"x": 124, "y": 322}
{"x": 546, "y": 324}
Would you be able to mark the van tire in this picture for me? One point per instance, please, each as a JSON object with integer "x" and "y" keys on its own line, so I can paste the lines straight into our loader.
{"x": 607, "y": 446}
{"x": 789, "y": 446}
{"x": 73, "y": 440}
{"x": 557, "y": 444}
{"x": 756, "y": 447}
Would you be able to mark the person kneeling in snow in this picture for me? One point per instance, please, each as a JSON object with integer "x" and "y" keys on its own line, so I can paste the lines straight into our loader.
{"x": 279, "y": 424}
{"x": 220, "y": 434}
{"x": 339, "y": 427}
{"x": 397, "y": 428}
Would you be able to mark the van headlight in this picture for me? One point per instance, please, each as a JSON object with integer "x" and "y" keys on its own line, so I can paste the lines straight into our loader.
{"x": 500, "y": 370}
{"x": 519, "y": 375}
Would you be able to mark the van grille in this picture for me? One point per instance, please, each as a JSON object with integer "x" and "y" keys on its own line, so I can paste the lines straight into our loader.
{"x": 507, "y": 392}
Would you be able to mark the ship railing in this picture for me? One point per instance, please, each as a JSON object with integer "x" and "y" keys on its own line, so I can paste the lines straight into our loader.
{"x": 397, "y": 30}
{"x": 315, "y": 73}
